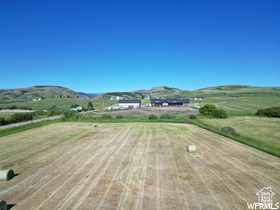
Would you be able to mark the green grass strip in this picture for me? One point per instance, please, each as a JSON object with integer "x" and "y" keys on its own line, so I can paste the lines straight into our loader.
{"x": 9, "y": 131}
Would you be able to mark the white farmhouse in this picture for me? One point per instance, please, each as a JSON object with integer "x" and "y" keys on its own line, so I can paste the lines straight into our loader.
{"x": 129, "y": 103}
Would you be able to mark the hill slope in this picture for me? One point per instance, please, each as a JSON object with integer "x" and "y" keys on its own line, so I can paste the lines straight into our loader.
{"x": 157, "y": 92}
{"x": 218, "y": 91}
{"x": 27, "y": 94}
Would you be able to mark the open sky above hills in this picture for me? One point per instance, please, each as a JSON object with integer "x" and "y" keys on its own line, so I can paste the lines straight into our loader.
{"x": 105, "y": 46}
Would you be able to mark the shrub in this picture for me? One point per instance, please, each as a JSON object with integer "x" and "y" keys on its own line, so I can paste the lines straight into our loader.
{"x": 107, "y": 116}
{"x": 270, "y": 112}
{"x": 192, "y": 117}
{"x": 153, "y": 117}
{"x": 119, "y": 116}
{"x": 69, "y": 114}
{"x": 207, "y": 109}
{"x": 25, "y": 108}
{"x": 3, "y": 121}
{"x": 19, "y": 117}
{"x": 74, "y": 105}
{"x": 166, "y": 116}
{"x": 219, "y": 113}
{"x": 12, "y": 107}
{"x": 228, "y": 130}
{"x": 53, "y": 112}
{"x": 39, "y": 113}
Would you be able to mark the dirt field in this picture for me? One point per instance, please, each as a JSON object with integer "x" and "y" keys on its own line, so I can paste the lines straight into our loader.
{"x": 132, "y": 166}
{"x": 157, "y": 111}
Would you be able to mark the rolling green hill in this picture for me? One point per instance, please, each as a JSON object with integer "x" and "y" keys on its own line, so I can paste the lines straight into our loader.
{"x": 219, "y": 91}
{"x": 234, "y": 91}
{"x": 28, "y": 94}
{"x": 157, "y": 92}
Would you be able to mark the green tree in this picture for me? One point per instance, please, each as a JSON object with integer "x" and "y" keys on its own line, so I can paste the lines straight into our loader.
{"x": 90, "y": 106}
{"x": 219, "y": 113}
{"x": 207, "y": 109}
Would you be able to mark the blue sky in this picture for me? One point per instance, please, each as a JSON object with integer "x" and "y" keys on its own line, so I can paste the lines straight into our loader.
{"x": 103, "y": 46}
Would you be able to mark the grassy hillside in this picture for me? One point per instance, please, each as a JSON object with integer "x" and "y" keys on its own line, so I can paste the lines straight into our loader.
{"x": 27, "y": 94}
{"x": 263, "y": 130}
{"x": 157, "y": 92}
{"x": 233, "y": 91}
{"x": 63, "y": 103}
{"x": 241, "y": 105}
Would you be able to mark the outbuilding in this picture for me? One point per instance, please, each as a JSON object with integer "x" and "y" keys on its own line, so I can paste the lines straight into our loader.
{"x": 170, "y": 102}
{"x": 129, "y": 103}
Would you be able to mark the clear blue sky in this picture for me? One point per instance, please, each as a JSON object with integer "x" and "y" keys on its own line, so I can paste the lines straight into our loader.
{"x": 103, "y": 46}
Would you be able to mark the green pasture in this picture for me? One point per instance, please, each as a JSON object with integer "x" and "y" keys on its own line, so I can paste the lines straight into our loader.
{"x": 63, "y": 103}
{"x": 240, "y": 105}
{"x": 263, "y": 130}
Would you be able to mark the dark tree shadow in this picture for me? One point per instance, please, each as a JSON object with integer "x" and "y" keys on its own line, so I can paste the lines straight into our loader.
{"x": 10, "y": 206}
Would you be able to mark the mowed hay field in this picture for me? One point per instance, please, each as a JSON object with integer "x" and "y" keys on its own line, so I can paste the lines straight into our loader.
{"x": 132, "y": 166}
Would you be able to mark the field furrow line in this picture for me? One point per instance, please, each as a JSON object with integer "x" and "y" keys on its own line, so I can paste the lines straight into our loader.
{"x": 85, "y": 183}
{"x": 209, "y": 148}
{"x": 139, "y": 201}
{"x": 134, "y": 170}
{"x": 63, "y": 166}
{"x": 88, "y": 160}
{"x": 180, "y": 193}
{"x": 160, "y": 204}
{"x": 117, "y": 172}
{"x": 239, "y": 165}
{"x": 174, "y": 139}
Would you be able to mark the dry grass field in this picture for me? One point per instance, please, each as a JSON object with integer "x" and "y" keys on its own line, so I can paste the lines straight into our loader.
{"x": 132, "y": 166}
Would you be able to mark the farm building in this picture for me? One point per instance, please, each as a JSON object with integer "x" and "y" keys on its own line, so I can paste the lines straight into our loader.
{"x": 170, "y": 102}
{"x": 197, "y": 98}
{"x": 129, "y": 103}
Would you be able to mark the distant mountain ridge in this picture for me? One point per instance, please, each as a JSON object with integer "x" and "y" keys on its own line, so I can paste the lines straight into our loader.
{"x": 217, "y": 91}
{"x": 27, "y": 94}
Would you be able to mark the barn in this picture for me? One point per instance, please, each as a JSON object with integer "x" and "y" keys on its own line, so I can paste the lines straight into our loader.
{"x": 170, "y": 102}
{"x": 129, "y": 103}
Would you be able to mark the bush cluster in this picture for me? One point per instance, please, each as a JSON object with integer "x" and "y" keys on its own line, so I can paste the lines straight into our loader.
{"x": 16, "y": 107}
{"x": 15, "y": 118}
{"x": 269, "y": 112}
{"x": 153, "y": 117}
{"x": 107, "y": 116}
{"x": 166, "y": 116}
{"x": 192, "y": 117}
{"x": 228, "y": 130}
{"x": 211, "y": 110}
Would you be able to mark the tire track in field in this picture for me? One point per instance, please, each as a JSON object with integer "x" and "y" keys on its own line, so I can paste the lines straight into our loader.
{"x": 51, "y": 171}
{"x": 170, "y": 136}
{"x": 26, "y": 143}
{"x": 32, "y": 148}
{"x": 117, "y": 172}
{"x": 224, "y": 175}
{"x": 241, "y": 165}
{"x": 90, "y": 184}
{"x": 219, "y": 176}
{"x": 203, "y": 179}
{"x": 160, "y": 203}
{"x": 21, "y": 183}
{"x": 135, "y": 168}
{"x": 181, "y": 194}
{"x": 85, "y": 152}
{"x": 139, "y": 201}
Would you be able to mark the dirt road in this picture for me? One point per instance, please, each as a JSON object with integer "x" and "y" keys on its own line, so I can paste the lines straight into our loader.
{"x": 132, "y": 166}
{"x": 28, "y": 122}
